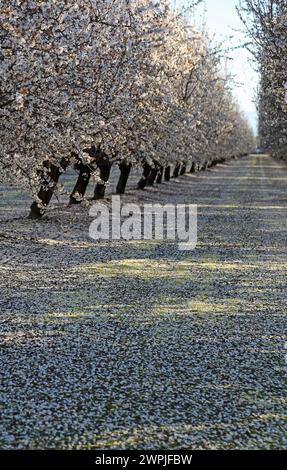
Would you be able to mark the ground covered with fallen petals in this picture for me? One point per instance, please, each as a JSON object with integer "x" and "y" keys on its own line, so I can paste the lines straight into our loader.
{"x": 136, "y": 344}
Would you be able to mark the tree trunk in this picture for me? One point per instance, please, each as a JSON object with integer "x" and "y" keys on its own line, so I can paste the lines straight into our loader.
{"x": 183, "y": 169}
{"x": 192, "y": 169}
{"x": 176, "y": 170}
{"x": 167, "y": 173}
{"x": 159, "y": 175}
{"x": 146, "y": 171}
{"x": 125, "y": 169}
{"x": 152, "y": 176}
{"x": 204, "y": 167}
{"x": 104, "y": 164}
{"x": 81, "y": 184}
{"x": 50, "y": 179}
{"x": 100, "y": 189}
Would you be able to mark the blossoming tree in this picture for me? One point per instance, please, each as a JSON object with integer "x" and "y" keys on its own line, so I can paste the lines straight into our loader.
{"x": 266, "y": 25}
{"x": 100, "y": 82}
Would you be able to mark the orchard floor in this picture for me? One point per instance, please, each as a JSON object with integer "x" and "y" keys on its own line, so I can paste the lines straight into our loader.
{"x": 122, "y": 345}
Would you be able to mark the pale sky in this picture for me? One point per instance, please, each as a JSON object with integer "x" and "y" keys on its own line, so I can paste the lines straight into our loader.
{"x": 222, "y": 22}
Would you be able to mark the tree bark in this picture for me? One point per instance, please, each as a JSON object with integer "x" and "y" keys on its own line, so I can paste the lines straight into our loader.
{"x": 50, "y": 178}
{"x": 183, "y": 169}
{"x": 146, "y": 171}
{"x": 104, "y": 164}
{"x": 159, "y": 175}
{"x": 176, "y": 170}
{"x": 167, "y": 173}
{"x": 204, "y": 166}
{"x": 100, "y": 189}
{"x": 192, "y": 169}
{"x": 152, "y": 176}
{"x": 125, "y": 169}
{"x": 82, "y": 183}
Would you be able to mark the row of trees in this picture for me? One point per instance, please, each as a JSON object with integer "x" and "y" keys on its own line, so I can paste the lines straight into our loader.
{"x": 266, "y": 23}
{"x": 93, "y": 83}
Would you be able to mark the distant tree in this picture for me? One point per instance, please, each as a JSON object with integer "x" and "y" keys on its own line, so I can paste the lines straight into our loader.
{"x": 265, "y": 22}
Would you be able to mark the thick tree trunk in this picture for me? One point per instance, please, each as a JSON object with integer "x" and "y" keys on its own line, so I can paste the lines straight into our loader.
{"x": 192, "y": 169}
{"x": 204, "y": 167}
{"x": 167, "y": 173}
{"x": 183, "y": 169}
{"x": 104, "y": 165}
{"x": 81, "y": 184}
{"x": 50, "y": 179}
{"x": 159, "y": 175}
{"x": 152, "y": 176}
{"x": 125, "y": 169}
{"x": 105, "y": 171}
{"x": 146, "y": 171}
{"x": 176, "y": 170}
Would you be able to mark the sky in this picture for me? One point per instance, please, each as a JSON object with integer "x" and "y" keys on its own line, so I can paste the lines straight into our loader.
{"x": 222, "y": 22}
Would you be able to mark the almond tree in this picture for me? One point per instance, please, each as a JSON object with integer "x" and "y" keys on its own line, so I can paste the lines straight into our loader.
{"x": 65, "y": 85}
{"x": 266, "y": 25}
{"x": 98, "y": 82}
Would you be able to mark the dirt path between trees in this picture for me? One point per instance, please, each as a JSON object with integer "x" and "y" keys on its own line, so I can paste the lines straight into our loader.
{"x": 138, "y": 345}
